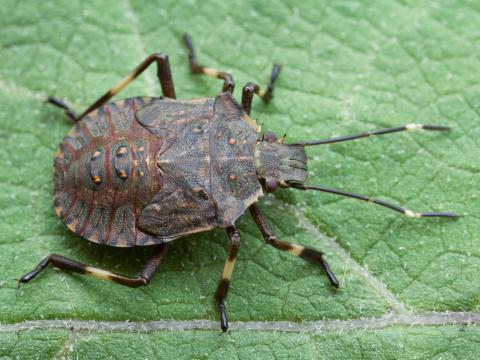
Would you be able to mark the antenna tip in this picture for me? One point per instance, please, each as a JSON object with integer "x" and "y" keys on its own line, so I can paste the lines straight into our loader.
{"x": 436, "y": 127}
{"x": 453, "y": 215}
{"x": 447, "y": 214}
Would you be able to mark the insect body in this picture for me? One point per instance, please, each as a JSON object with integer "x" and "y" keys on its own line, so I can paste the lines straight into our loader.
{"x": 148, "y": 170}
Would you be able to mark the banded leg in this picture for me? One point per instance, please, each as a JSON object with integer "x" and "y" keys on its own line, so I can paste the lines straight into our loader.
{"x": 72, "y": 115}
{"x": 224, "y": 284}
{"x": 250, "y": 88}
{"x": 61, "y": 262}
{"x": 163, "y": 73}
{"x": 228, "y": 83}
{"x": 303, "y": 252}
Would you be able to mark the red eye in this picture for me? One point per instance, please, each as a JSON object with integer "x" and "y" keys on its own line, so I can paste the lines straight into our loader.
{"x": 269, "y": 137}
{"x": 271, "y": 185}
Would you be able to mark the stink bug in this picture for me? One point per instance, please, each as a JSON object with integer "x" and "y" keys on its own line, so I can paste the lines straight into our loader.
{"x": 148, "y": 170}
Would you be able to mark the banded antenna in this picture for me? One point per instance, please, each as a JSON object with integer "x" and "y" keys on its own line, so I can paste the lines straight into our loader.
{"x": 404, "y": 211}
{"x": 365, "y": 134}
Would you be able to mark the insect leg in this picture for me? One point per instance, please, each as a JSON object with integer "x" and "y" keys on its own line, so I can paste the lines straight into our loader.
{"x": 228, "y": 83}
{"x": 224, "y": 283}
{"x": 72, "y": 115}
{"x": 61, "y": 262}
{"x": 251, "y": 88}
{"x": 303, "y": 252}
{"x": 163, "y": 72}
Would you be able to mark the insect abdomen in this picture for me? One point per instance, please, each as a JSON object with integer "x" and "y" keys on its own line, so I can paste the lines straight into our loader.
{"x": 105, "y": 173}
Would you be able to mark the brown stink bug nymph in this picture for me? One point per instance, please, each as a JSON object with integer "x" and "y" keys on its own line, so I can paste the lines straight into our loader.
{"x": 148, "y": 170}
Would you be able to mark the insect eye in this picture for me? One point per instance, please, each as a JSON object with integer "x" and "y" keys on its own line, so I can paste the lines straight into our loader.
{"x": 269, "y": 137}
{"x": 271, "y": 185}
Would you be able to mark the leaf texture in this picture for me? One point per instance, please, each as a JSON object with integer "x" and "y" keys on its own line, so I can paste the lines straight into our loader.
{"x": 347, "y": 67}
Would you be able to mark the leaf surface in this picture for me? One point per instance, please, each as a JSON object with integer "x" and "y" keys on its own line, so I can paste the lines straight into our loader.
{"x": 347, "y": 67}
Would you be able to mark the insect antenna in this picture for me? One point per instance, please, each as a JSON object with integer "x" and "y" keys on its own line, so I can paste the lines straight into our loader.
{"x": 365, "y": 134}
{"x": 404, "y": 211}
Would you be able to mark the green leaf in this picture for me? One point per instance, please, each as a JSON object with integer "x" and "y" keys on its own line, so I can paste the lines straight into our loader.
{"x": 347, "y": 67}
{"x": 447, "y": 342}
